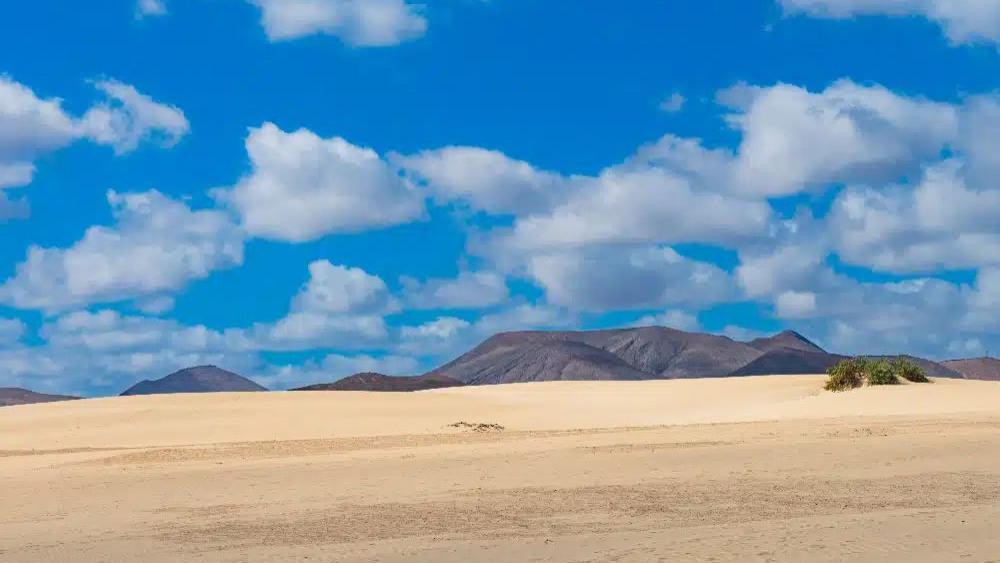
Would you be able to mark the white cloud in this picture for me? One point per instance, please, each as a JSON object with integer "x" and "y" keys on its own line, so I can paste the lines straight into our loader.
{"x": 964, "y": 21}
{"x": 613, "y": 278}
{"x": 941, "y": 223}
{"x": 150, "y": 8}
{"x": 338, "y": 307}
{"x": 673, "y": 104}
{"x": 361, "y": 23}
{"x": 675, "y": 319}
{"x": 31, "y": 126}
{"x": 303, "y": 187}
{"x": 130, "y": 117}
{"x": 485, "y": 180}
{"x": 470, "y": 290}
{"x": 795, "y": 304}
{"x": 795, "y": 140}
{"x": 341, "y": 289}
{"x": 156, "y": 246}
{"x": 668, "y": 193}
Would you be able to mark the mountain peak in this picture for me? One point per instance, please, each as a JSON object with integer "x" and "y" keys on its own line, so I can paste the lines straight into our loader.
{"x": 198, "y": 379}
{"x": 785, "y": 339}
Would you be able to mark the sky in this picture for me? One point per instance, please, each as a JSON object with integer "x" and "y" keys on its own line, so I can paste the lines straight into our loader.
{"x": 298, "y": 190}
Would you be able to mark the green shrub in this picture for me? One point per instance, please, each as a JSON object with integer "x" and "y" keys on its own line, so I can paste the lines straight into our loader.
{"x": 847, "y": 374}
{"x": 909, "y": 371}
{"x": 880, "y": 372}
{"x": 855, "y": 372}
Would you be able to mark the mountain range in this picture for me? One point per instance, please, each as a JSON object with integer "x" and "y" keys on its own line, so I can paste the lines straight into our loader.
{"x": 632, "y": 354}
{"x": 629, "y": 354}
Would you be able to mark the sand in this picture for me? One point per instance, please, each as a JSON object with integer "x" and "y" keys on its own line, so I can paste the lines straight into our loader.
{"x": 751, "y": 469}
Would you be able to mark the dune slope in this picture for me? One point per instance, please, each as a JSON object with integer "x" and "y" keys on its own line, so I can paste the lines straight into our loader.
{"x": 747, "y": 469}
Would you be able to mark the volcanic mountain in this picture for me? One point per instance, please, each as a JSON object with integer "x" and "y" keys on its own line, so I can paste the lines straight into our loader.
{"x": 202, "y": 379}
{"x": 641, "y": 353}
{"x": 10, "y": 396}
{"x": 384, "y": 383}
{"x": 976, "y": 368}
{"x": 623, "y": 354}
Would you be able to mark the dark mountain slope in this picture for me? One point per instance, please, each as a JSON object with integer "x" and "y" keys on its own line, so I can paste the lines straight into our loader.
{"x": 787, "y": 339}
{"x": 11, "y": 396}
{"x": 202, "y": 379}
{"x": 536, "y": 356}
{"x": 789, "y": 361}
{"x": 624, "y": 354}
{"x": 987, "y": 369}
{"x": 384, "y": 383}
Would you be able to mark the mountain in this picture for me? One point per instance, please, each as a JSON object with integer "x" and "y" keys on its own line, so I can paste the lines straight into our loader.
{"x": 385, "y": 383}
{"x": 789, "y": 361}
{"x": 787, "y": 339}
{"x": 622, "y": 354}
{"x": 987, "y": 369}
{"x": 11, "y": 396}
{"x": 518, "y": 357}
{"x": 202, "y": 379}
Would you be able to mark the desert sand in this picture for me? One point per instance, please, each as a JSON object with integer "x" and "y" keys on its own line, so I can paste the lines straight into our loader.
{"x": 750, "y": 469}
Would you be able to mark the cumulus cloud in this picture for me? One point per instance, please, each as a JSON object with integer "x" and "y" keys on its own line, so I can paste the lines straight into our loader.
{"x": 338, "y": 307}
{"x": 484, "y": 180}
{"x": 469, "y": 290}
{"x": 964, "y": 21}
{"x": 341, "y": 289}
{"x": 668, "y": 192}
{"x": 940, "y": 223}
{"x": 303, "y": 187}
{"x": 156, "y": 246}
{"x": 32, "y": 126}
{"x": 795, "y": 140}
{"x": 130, "y": 117}
{"x": 609, "y": 279}
{"x": 361, "y": 23}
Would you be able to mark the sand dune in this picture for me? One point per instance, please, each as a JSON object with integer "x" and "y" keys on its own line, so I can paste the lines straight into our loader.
{"x": 748, "y": 469}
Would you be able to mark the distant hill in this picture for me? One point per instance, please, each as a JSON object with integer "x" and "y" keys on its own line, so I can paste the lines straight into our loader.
{"x": 787, "y": 339}
{"x": 623, "y": 354}
{"x": 11, "y": 396}
{"x": 518, "y": 357}
{"x": 202, "y": 379}
{"x": 987, "y": 369}
{"x": 384, "y": 383}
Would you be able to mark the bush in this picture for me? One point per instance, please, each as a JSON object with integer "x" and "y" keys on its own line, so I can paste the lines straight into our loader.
{"x": 847, "y": 374}
{"x": 855, "y": 372}
{"x": 909, "y": 371}
{"x": 880, "y": 372}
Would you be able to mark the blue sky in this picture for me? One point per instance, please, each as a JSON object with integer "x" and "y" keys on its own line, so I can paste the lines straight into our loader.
{"x": 375, "y": 184}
